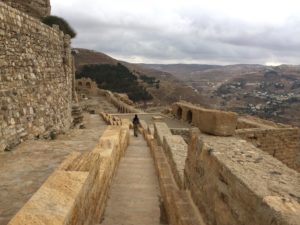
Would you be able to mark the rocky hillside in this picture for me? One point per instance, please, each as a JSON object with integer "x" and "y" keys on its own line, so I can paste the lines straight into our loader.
{"x": 170, "y": 88}
{"x": 264, "y": 91}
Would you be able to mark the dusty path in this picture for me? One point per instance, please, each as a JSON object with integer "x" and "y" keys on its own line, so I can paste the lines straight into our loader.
{"x": 134, "y": 195}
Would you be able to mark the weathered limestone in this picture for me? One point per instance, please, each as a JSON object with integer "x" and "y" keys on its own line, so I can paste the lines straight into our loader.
{"x": 77, "y": 190}
{"x": 87, "y": 86}
{"x": 34, "y": 8}
{"x": 178, "y": 204}
{"x": 176, "y": 150}
{"x": 54, "y": 200}
{"x": 36, "y": 70}
{"x": 122, "y": 106}
{"x": 110, "y": 119}
{"x": 280, "y": 141}
{"x": 232, "y": 183}
{"x": 160, "y": 131}
{"x": 219, "y": 123}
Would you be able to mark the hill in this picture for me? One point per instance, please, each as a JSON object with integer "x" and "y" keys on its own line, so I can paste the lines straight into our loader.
{"x": 264, "y": 91}
{"x": 170, "y": 87}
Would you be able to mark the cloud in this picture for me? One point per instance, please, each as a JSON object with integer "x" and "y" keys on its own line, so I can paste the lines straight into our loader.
{"x": 187, "y": 31}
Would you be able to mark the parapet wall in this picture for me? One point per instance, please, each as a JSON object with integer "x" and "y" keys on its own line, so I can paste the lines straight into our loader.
{"x": 279, "y": 140}
{"x": 86, "y": 85}
{"x": 282, "y": 144}
{"x": 177, "y": 202}
{"x": 76, "y": 193}
{"x": 232, "y": 183}
{"x": 34, "y": 8}
{"x": 216, "y": 122}
{"x": 122, "y": 106}
{"x": 36, "y": 71}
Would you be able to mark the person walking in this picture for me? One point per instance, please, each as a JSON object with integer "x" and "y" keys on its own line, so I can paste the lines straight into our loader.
{"x": 136, "y": 123}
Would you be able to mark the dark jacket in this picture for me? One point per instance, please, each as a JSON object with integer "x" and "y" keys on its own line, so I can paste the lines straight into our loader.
{"x": 136, "y": 121}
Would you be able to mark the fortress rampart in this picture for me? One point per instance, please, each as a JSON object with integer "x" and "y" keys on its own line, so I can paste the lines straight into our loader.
{"x": 232, "y": 183}
{"x": 88, "y": 86}
{"x": 36, "y": 72}
{"x": 34, "y": 8}
{"x": 280, "y": 141}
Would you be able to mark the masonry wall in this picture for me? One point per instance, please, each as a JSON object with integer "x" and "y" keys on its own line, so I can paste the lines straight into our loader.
{"x": 36, "y": 71}
{"x": 234, "y": 183}
{"x": 282, "y": 144}
{"x": 35, "y": 8}
{"x": 216, "y": 122}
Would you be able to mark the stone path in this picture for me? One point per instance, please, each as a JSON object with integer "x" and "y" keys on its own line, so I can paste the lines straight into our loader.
{"x": 134, "y": 195}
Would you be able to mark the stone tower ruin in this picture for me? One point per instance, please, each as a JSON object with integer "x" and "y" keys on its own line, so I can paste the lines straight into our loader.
{"x": 35, "y": 8}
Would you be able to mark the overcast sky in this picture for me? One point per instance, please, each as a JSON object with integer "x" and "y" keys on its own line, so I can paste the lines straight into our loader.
{"x": 187, "y": 31}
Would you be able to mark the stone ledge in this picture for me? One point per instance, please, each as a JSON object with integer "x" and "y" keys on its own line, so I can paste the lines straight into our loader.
{"x": 77, "y": 191}
{"x": 176, "y": 150}
{"x": 160, "y": 131}
{"x": 210, "y": 121}
{"x": 178, "y": 204}
{"x": 232, "y": 182}
{"x": 53, "y": 201}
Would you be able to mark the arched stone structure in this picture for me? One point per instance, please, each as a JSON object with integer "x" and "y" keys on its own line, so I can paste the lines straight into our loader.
{"x": 179, "y": 113}
{"x": 86, "y": 85}
{"x": 189, "y": 116}
{"x": 209, "y": 121}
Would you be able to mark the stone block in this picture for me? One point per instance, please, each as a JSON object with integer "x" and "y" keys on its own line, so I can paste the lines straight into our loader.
{"x": 210, "y": 121}
{"x": 233, "y": 182}
{"x": 216, "y": 122}
{"x": 59, "y": 192}
{"x": 160, "y": 131}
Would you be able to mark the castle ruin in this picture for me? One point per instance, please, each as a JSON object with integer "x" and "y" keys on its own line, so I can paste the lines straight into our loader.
{"x": 193, "y": 166}
{"x": 36, "y": 76}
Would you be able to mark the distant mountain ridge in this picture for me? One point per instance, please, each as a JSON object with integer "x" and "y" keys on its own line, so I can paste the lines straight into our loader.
{"x": 171, "y": 88}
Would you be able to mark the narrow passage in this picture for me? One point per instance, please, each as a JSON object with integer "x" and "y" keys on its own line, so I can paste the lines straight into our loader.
{"x": 134, "y": 195}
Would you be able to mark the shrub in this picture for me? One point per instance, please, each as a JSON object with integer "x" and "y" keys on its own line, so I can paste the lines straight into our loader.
{"x": 116, "y": 78}
{"x": 63, "y": 25}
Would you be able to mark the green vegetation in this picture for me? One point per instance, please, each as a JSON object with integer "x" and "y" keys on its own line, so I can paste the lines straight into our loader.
{"x": 63, "y": 25}
{"x": 150, "y": 80}
{"x": 116, "y": 78}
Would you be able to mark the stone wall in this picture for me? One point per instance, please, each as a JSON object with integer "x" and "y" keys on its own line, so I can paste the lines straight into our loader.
{"x": 36, "y": 71}
{"x": 282, "y": 144}
{"x": 77, "y": 191}
{"x": 34, "y": 8}
{"x": 209, "y": 121}
{"x": 279, "y": 140}
{"x": 177, "y": 202}
{"x": 233, "y": 183}
{"x": 86, "y": 86}
{"x": 122, "y": 106}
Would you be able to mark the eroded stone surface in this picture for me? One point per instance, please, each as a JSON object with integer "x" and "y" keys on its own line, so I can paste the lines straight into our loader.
{"x": 215, "y": 122}
{"x": 54, "y": 200}
{"x": 25, "y": 169}
{"x": 161, "y": 130}
{"x": 36, "y": 73}
{"x": 176, "y": 150}
{"x": 232, "y": 182}
{"x": 35, "y": 8}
